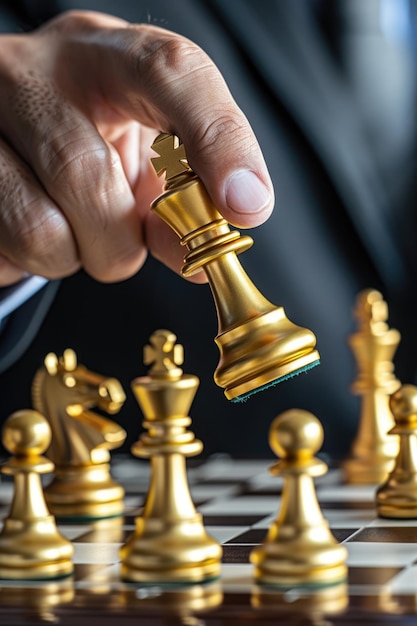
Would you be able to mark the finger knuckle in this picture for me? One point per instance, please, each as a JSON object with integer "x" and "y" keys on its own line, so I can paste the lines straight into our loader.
{"x": 159, "y": 53}
{"x": 116, "y": 267}
{"x": 12, "y": 50}
{"x": 31, "y": 227}
{"x": 70, "y": 21}
{"x": 74, "y": 166}
{"x": 78, "y": 21}
{"x": 41, "y": 238}
{"x": 222, "y": 129}
{"x": 9, "y": 272}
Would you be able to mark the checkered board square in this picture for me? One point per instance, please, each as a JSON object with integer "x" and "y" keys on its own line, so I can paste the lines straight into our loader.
{"x": 239, "y": 500}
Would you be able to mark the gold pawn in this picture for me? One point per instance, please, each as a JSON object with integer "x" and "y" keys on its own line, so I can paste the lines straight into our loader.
{"x": 170, "y": 543}
{"x": 259, "y": 346}
{"x": 373, "y": 451}
{"x": 397, "y": 496}
{"x": 299, "y": 549}
{"x": 31, "y": 547}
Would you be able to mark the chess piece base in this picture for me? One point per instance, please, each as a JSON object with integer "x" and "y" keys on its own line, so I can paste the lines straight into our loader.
{"x": 397, "y": 512}
{"x": 261, "y": 352}
{"x": 367, "y": 470}
{"x": 298, "y": 566}
{"x": 170, "y": 552}
{"x": 84, "y": 493}
{"x": 397, "y": 500}
{"x": 34, "y": 551}
{"x": 272, "y": 376}
{"x": 308, "y": 578}
{"x": 199, "y": 573}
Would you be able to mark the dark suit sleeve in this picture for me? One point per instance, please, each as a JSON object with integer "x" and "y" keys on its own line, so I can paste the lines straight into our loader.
{"x": 19, "y": 328}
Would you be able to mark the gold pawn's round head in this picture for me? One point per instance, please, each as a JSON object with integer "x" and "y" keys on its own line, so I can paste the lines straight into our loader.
{"x": 26, "y": 433}
{"x": 296, "y": 434}
{"x": 403, "y": 404}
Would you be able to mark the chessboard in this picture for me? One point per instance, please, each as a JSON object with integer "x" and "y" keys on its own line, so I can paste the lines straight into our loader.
{"x": 238, "y": 499}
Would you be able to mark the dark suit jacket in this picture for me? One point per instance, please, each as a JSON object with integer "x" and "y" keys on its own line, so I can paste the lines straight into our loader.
{"x": 332, "y": 234}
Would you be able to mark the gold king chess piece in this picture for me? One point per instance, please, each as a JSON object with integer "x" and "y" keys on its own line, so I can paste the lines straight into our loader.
{"x": 258, "y": 345}
{"x": 299, "y": 550}
{"x": 64, "y": 391}
{"x": 373, "y": 345}
{"x": 397, "y": 496}
{"x": 170, "y": 543}
{"x": 31, "y": 548}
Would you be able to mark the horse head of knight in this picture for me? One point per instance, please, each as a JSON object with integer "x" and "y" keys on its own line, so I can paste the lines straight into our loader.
{"x": 65, "y": 392}
{"x": 82, "y": 388}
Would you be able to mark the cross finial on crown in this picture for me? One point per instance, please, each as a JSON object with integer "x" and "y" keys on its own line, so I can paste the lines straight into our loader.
{"x": 172, "y": 158}
{"x": 163, "y": 354}
{"x": 371, "y": 311}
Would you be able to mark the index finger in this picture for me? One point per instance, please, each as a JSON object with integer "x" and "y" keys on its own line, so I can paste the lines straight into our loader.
{"x": 166, "y": 81}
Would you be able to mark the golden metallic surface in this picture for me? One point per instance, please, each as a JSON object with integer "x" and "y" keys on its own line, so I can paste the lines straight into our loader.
{"x": 295, "y": 435}
{"x": 172, "y": 158}
{"x": 373, "y": 345}
{"x": 65, "y": 391}
{"x": 170, "y": 543}
{"x": 84, "y": 493}
{"x": 182, "y": 605}
{"x": 40, "y": 600}
{"x": 299, "y": 550}
{"x": 397, "y": 496}
{"x": 313, "y": 605}
{"x": 258, "y": 344}
{"x": 31, "y": 548}
{"x": 179, "y": 604}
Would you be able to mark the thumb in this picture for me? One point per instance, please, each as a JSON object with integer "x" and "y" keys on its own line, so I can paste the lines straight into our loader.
{"x": 166, "y": 81}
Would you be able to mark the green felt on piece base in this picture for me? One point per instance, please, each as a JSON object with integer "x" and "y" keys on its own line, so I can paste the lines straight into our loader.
{"x": 245, "y": 396}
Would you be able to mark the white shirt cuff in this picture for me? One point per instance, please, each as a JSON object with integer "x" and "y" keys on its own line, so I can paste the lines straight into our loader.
{"x": 12, "y": 297}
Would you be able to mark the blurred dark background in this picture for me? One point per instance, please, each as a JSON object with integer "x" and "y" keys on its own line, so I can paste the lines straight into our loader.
{"x": 330, "y": 90}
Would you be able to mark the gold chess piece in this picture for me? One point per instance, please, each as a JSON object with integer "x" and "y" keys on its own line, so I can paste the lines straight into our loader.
{"x": 170, "y": 543}
{"x": 30, "y": 545}
{"x": 64, "y": 391}
{"x": 299, "y": 550}
{"x": 258, "y": 344}
{"x": 373, "y": 451}
{"x": 397, "y": 496}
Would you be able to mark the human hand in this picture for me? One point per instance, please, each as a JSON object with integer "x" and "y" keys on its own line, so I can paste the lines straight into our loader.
{"x": 83, "y": 98}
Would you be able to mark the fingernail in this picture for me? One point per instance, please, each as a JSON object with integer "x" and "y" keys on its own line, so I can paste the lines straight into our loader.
{"x": 246, "y": 193}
